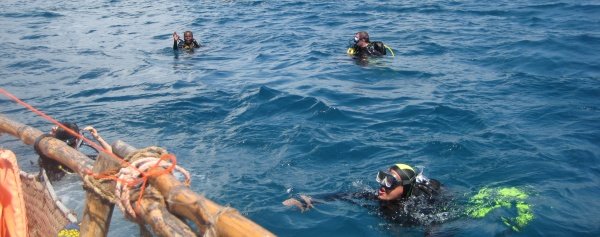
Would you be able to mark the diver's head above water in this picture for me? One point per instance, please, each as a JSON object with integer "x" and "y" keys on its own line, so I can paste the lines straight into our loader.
{"x": 361, "y": 37}
{"x": 188, "y": 37}
{"x": 399, "y": 184}
{"x": 66, "y": 136}
{"x": 396, "y": 183}
{"x": 188, "y": 41}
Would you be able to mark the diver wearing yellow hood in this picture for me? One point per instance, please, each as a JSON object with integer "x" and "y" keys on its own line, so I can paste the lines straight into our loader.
{"x": 397, "y": 184}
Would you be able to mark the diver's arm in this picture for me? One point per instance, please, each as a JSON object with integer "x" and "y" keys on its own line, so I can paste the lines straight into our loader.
{"x": 98, "y": 138}
{"x": 177, "y": 44}
{"x": 304, "y": 202}
{"x": 175, "y": 40}
{"x": 104, "y": 144}
{"x": 196, "y": 44}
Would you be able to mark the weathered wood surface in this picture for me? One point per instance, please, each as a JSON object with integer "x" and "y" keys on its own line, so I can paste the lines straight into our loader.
{"x": 181, "y": 200}
{"x": 98, "y": 211}
{"x": 52, "y": 148}
{"x": 82, "y": 165}
{"x": 184, "y": 202}
{"x": 154, "y": 210}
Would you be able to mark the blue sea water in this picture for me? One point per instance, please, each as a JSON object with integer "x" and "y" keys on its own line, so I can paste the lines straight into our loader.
{"x": 480, "y": 93}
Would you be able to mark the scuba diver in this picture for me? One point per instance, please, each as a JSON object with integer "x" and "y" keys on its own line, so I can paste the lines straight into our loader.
{"x": 54, "y": 170}
{"x": 188, "y": 42}
{"x": 362, "y": 47}
{"x": 403, "y": 197}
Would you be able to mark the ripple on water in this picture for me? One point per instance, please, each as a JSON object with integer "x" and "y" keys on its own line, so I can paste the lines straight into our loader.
{"x": 502, "y": 94}
{"x": 33, "y": 14}
{"x": 33, "y": 65}
{"x": 98, "y": 72}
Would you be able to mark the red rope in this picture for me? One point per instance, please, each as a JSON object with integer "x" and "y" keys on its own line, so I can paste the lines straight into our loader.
{"x": 145, "y": 175}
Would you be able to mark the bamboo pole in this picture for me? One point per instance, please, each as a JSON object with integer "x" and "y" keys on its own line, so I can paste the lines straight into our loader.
{"x": 153, "y": 209}
{"x": 81, "y": 164}
{"x": 98, "y": 211}
{"x": 184, "y": 202}
{"x": 50, "y": 147}
{"x": 25, "y": 133}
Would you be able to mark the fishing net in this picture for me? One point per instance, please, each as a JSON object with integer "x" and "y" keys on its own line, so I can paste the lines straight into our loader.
{"x": 46, "y": 215}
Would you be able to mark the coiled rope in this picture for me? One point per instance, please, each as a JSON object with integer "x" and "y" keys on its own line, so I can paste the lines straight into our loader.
{"x": 138, "y": 172}
{"x": 134, "y": 173}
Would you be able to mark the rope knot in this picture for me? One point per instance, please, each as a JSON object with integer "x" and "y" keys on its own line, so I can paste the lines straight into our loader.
{"x": 142, "y": 165}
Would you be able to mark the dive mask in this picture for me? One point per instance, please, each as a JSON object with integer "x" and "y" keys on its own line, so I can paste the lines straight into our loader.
{"x": 385, "y": 179}
{"x": 389, "y": 181}
{"x": 72, "y": 142}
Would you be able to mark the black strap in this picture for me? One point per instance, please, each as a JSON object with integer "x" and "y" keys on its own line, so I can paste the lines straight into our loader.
{"x": 91, "y": 156}
{"x": 405, "y": 179}
{"x": 36, "y": 144}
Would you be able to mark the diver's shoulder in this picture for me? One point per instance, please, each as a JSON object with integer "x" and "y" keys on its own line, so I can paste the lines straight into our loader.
{"x": 428, "y": 188}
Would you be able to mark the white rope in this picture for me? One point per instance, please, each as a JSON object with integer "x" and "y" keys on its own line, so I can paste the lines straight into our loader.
{"x": 129, "y": 175}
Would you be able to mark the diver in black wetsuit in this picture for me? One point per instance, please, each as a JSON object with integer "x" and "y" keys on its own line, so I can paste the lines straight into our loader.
{"x": 363, "y": 47}
{"x": 188, "y": 42}
{"x": 55, "y": 170}
{"x": 404, "y": 197}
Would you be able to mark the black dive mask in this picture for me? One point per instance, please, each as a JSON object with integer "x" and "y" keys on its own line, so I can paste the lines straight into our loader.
{"x": 389, "y": 181}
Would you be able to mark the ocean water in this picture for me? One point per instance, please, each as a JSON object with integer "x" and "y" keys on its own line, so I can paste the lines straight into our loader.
{"x": 480, "y": 93}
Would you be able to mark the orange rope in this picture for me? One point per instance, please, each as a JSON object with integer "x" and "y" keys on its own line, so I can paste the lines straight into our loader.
{"x": 153, "y": 173}
{"x": 145, "y": 175}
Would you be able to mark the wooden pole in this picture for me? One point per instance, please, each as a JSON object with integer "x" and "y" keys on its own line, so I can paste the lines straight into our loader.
{"x": 154, "y": 210}
{"x": 81, "y": 164}
{"x": 184, "y": 202}
{"x": 98, "y": 211}
{"x": 26, "y": 133}
{"x": 50, "y": 147}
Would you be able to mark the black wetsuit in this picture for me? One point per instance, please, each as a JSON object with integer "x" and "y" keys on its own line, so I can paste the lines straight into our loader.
{"x": 182, "y": 45}
{"x": 54, "y": 169}
{"x": 376, "y": 48}
{"x": 424, "y": 207}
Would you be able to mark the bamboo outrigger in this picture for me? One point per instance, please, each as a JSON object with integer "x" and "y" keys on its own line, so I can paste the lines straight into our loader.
{"x": 165, "y": 201}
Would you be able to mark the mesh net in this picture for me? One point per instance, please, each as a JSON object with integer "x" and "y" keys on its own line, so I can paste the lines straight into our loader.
{"x": 46, "y": 215}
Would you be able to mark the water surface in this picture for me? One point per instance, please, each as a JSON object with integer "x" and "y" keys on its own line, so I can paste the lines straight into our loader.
{"x": 481, "y": 93}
